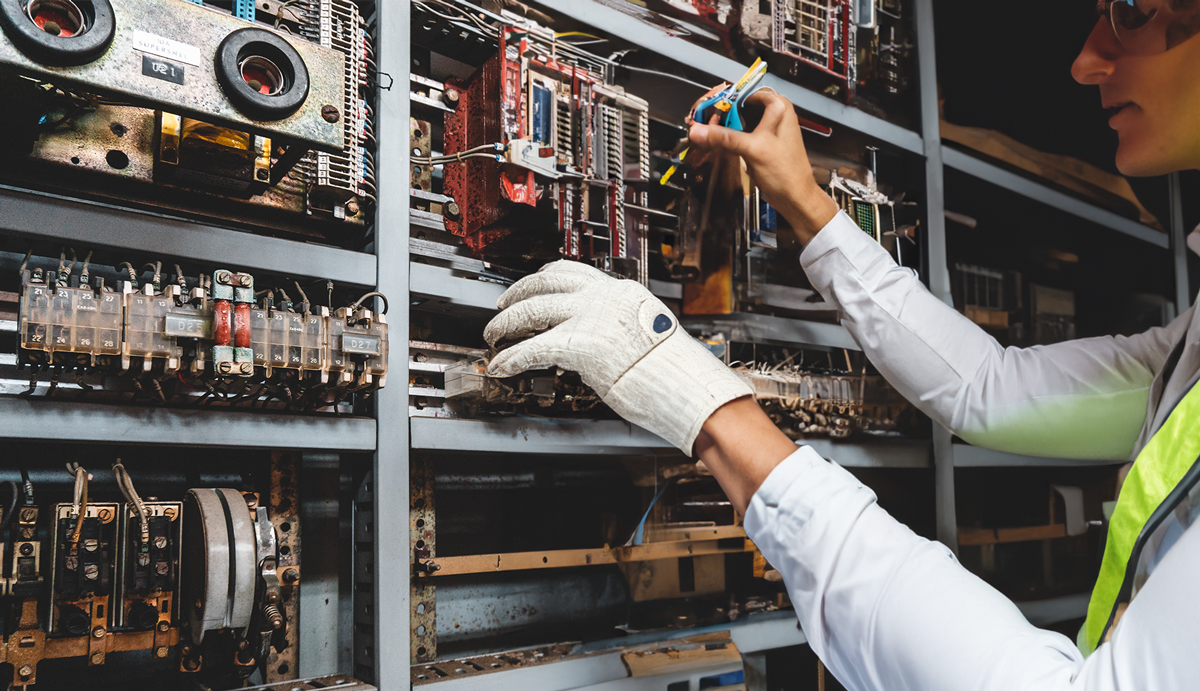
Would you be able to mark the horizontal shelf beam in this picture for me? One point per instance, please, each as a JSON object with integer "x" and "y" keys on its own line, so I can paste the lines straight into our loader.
{"x": 37, "y": 419}
{"x": 450, "y": 289}
{"x": 1037, "y": 191}
{"x": 967, "y": 456}
{"x": 88, "y": 225}
{"x": 1055, "y": 610}
{"x": 595, "y": 665}
{"x": 609, "y": 437}
{"x": 533, "y": 435}
{"x": 749, "y": 327}
{"x": 653, "y": 38}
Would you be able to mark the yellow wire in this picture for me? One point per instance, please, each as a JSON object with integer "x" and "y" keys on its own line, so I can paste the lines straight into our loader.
{"x": 576, "y": 33}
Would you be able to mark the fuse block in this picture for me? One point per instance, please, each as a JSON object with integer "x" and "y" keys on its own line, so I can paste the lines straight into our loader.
{"x": 146, "y": 331}
{"x": 70, "y": 320}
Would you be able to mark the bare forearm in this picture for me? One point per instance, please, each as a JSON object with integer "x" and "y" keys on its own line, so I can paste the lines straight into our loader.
{"x": 807, "y": 209}
{"x": 741, "y": 446}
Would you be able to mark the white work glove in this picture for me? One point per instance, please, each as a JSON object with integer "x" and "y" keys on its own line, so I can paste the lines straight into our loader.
{"x": 624, "y": 343}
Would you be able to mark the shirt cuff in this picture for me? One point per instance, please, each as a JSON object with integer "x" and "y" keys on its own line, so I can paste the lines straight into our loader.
{"x": 841, "y": 235}
{"x": 765, "y": 502}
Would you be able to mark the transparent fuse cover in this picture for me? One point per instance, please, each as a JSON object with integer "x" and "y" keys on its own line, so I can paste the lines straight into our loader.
{"x": 146, "y": 327}
{"x": 73, "y": 320}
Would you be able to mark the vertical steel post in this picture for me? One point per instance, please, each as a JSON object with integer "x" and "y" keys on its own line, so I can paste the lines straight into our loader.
{"x": 938, "y": 266}
{"x": 391, "y": 405}
{"x": 1179, "y": 250}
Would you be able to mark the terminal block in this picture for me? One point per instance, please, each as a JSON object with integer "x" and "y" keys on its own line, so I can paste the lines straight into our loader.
{"x": 82, "y": 542}
{"x": 168, "y": 341}
{"x": 147, "y": 571}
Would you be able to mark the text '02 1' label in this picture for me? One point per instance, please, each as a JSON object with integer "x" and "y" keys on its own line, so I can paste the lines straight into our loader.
{"x": 188, "y": 326}
{"x": 166, "y": 48}
{"x": 360, "y": 344}
{"x": 161, "y": 69}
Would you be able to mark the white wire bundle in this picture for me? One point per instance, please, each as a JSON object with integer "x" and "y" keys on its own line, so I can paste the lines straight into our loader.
{"x": 126, "y": 484}
{"x": 80, "y": 499}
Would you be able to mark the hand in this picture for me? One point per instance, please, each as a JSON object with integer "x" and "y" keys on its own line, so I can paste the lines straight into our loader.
{"x": 777, "y": 162}
{"x": 622, "y": 341}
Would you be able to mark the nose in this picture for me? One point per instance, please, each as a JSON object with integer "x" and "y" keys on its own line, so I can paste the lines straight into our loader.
{"x": 1097, "y": 61}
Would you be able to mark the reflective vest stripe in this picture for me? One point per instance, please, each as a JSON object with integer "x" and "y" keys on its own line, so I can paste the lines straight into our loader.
{"x": 1156, "y": 475}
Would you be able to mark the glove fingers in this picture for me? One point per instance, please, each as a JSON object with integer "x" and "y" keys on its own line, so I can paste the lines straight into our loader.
{"x": 538, "y": 352}
{"x": 556, "y": 277}
{"x": 530, "y": 316}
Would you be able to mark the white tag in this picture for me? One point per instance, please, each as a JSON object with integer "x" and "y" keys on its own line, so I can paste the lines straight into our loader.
{"x": 166, "y": 48}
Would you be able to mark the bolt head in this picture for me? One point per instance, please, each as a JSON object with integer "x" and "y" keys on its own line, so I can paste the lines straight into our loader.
{"x": 223, "y": 277}
{"x": 262, "y": 174}
{"x": 164, "y": 626}
{"x": 160, "y": 542}
{"x": 245, "y": 280}
{"x": 91, "y": 572}
{"x": 451, "y": 210}
{"x": 98, "y": 632}
{"x": 290, "y": 576}
{"x": 353, "y": 208}
{"x": 26, "y": 549}
{"x": 161, "y": 651}
{"x": 25, "y": 671}
{"x": 330, "y": 113}
{"x": 98, "y": 658}
{"x": 450, "y": 97}
{"x": 28, "y": 515}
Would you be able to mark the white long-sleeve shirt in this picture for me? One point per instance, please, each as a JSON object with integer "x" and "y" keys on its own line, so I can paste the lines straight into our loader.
{"x": 890, "y": 611}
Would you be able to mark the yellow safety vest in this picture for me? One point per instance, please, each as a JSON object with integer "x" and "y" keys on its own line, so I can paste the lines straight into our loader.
{"x": 1163, "y": 474}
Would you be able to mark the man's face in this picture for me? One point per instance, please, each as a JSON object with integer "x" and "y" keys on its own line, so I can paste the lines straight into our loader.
{"x": 1153, "y": 101}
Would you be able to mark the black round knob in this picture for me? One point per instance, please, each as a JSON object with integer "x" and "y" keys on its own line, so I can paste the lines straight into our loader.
{"x": 262, "y": 74}
{"x": 143, "y": 616}
{"x": 59, "y": 32}
{"x": 74, "y": 621}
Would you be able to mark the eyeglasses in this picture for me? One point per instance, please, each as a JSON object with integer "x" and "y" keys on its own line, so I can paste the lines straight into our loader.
{"x": 1148, "y": 27}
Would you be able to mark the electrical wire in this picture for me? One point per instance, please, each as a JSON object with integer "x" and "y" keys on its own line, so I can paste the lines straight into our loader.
{"x": 303, "y": 297}
{"x": 660, "y": 73}
{"x": 25, "y": 261}
{"x": 355, "y": 307}
{"x": 125, "y": 482}
{"x": 11, "y": 510}
{"x": 84, "y": 275}
{"x": 80, "y": 501}
{"x": 28, "y": 487}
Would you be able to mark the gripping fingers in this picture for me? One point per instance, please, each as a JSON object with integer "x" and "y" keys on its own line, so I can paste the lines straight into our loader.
{"x": 539, "y": 352}
{"x": 528, "y": 317}
{"x": 556, "y": 277}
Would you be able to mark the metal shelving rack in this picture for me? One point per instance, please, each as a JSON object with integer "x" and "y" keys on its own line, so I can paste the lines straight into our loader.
{"x": 37, "y": 215}
{"x": 612, "y": 437}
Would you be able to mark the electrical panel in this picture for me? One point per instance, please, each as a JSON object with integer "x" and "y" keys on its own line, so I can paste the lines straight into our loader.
{"x": 214, "y": 340}
{"x": 528, "y": 146}
{"x": 233, "y": 110}
{"x": 198, "y": 588}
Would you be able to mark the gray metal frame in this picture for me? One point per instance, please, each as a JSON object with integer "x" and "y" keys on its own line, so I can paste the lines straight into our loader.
{"x": 391, "y": 472}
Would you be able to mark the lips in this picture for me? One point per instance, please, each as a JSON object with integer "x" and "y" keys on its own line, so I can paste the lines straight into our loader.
{"x": 1112, "y": 112}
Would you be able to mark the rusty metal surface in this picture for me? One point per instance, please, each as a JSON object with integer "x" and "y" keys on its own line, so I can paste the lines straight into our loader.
{"x": 486, "y": 664}
{"x": 284, "y": 508}
{"x": 118, "y": 73}
{"x": 475, "y": 184}
{"x": 423, "y": 548}
{"x": 422, "y": 176}
{"x": 340, "y": 682}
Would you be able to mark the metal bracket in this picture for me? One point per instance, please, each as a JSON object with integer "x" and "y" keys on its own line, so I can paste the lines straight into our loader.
{"x": 422, "y": 544}
{"x": 284, "y": 507}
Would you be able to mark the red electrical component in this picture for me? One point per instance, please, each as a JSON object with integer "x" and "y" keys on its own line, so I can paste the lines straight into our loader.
{"x": 241, "y": 325}
{"x": 222, "y": 323}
